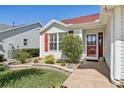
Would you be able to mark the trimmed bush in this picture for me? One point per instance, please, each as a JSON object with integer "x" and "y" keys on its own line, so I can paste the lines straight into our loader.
{"x": 1, "y": 57}
{"x": 72, "y": 47}
{"x": 33, "y": 52}
{"x": 49, "y": 59}
{"x": 22, "y": 56}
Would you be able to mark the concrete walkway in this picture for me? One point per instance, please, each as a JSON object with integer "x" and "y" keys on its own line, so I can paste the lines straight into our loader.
{"x": 90, "y": 75}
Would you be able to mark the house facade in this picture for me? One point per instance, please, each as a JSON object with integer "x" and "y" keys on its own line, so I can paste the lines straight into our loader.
{"x": 18, "y": 37}
{"x": 102, "y": 36}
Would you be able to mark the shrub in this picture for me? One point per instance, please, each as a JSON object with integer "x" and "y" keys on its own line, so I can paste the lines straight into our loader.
{"x": 36, "y": 61}
{"x": 58, "y": 61}
{"x": 33, "y": 52}
{"x": 1, "y": 57}
{"x": 62, "y": 60}
{"x": 72, "y": 47}
{"x": 28, "y": 60}
{"x": 22, "y": 56}
{"x": 2, "y": 67}
{"x": 49, "y": 59}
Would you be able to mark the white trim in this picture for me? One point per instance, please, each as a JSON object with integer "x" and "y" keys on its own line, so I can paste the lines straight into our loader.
{"x": 103, "y": 43}
{"x": 40, "y": 45}
{"x": 57, "y": 41}
{"x": 52, "y": 22}
{"x": 89, "y": 25}
{"x": 112, "y": 54}
{"x": 49, "y": 42}
{"x": 117, "y": 43}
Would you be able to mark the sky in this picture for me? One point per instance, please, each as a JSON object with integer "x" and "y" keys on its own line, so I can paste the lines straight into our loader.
{"x": 43, "y": 13}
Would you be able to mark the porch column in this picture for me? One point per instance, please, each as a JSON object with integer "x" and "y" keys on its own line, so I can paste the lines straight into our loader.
{"x": 117, "y": 42}
{"x": 83, "y": 40}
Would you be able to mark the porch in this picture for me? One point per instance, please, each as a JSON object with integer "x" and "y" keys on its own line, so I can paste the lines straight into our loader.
{"x": 90, "y": 75}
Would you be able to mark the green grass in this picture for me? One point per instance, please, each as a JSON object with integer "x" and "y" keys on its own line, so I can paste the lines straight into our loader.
{"x": 31, "y": 78}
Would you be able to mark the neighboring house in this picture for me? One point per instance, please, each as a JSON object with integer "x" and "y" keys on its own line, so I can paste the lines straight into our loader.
{"x": 102, "y": 36}
{"x": 18, "y": 37}
{"x": 4, "y": 26}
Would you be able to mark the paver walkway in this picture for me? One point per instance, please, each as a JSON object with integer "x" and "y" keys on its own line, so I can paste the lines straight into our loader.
{"x": 90, "y": 75}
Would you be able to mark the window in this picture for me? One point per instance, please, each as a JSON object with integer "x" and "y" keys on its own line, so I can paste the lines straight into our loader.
{"x": 91, "y": 39}
{"x": 25, "y": 41}
{"x": 53, "y": 41}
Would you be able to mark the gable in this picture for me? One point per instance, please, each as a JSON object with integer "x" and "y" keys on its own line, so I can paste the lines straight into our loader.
{"x": 54, "y": 28}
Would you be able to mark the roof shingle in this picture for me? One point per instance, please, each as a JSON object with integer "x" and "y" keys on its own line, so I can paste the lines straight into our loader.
{"x": 82, "y": 19}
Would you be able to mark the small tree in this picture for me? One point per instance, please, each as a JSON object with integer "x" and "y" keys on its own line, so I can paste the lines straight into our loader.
{"x": 72, "y": 47}
{"x": 22, "y": 56}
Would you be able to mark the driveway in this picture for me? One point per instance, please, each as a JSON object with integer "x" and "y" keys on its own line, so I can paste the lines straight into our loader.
{"x": 90, "y": 75}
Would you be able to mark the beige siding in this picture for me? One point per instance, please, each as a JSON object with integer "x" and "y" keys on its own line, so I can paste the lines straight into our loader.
{"x": 122, "y": 44}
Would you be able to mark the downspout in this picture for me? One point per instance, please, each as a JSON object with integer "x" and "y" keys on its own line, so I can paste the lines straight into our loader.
{"x": 112, "y": 56}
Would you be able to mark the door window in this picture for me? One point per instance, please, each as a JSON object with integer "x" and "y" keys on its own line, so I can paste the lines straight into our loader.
{"x": 91, "y": 45}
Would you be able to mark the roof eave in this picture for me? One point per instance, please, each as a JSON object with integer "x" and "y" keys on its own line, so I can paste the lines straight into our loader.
{"x": 99, "y": 24}
{"x": 13, "y": 28}
{"x": 52, "y": 22}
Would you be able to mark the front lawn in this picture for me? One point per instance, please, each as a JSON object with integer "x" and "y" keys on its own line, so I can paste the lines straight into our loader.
{"x": 31, "y": 78}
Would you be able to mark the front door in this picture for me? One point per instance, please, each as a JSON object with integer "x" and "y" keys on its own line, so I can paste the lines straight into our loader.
{"x": 100, "y": 43}
{"x": 92, "y": 46}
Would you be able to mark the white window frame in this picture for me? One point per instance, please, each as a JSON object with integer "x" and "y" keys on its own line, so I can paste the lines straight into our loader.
{"x": 57, "y": 40}
{"x": 50, "y": 42}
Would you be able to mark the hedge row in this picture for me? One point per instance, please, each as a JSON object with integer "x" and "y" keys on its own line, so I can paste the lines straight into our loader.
{"x": 33, "y": 52}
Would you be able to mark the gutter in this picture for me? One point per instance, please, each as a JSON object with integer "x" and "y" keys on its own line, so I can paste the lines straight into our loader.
{"x": 118, "y": 83}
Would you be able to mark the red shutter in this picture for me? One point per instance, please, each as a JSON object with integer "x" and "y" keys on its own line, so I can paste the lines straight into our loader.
{"x": 46, "y": 42}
